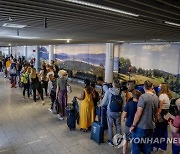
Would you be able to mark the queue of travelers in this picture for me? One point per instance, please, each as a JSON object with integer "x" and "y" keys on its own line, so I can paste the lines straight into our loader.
{"x": 144, "y": 113}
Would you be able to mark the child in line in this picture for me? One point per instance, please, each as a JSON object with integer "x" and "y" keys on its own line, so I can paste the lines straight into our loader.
{"x": 128, "y": 116}
{"x": 53, "y": 80}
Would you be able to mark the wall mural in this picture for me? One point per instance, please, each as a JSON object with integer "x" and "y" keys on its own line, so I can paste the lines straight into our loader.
{"x": 157, "y": 63}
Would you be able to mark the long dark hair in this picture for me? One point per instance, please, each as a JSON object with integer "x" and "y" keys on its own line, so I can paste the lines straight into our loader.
{"x": 87, "y": 86}
{"x": 44, "y": 69}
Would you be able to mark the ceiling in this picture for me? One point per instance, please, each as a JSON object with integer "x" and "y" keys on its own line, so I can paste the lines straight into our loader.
{"x": 85, "y": 24}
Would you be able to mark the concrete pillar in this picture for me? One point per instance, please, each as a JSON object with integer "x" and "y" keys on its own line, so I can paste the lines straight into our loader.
{"x": 109, "y": 66}
{"x": 119, "y": 50}
{"x": 51, "y": 53}
{"x": 9, "y": 51}
{"x": 37, "y": 58}
{"x": 25, "y": 52}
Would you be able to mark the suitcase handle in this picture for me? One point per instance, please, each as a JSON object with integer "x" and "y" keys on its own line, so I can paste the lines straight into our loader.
{"x": 101, "y": 114}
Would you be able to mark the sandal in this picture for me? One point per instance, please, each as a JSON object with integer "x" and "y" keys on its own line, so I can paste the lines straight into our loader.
{"x": 85, "y": 130}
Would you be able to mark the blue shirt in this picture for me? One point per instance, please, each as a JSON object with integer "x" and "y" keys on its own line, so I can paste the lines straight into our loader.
{"x": 130, "y": 108}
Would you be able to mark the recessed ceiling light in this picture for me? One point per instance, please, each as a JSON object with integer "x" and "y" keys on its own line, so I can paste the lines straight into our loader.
{"x": 9, "y": 44}
{"x": 117, "y": 41}
{"x": 172, "y": 23}
{"x": 13, "y": 25}
{"x": 21, "y": 37}
{"x": 102, "y": 7}
{"x": 159, "y": 40}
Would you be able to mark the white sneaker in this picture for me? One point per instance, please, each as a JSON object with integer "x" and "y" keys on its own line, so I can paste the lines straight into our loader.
{"x": 43, "y": 103}
{"x": 60, "y": 118}
{"x": 50, "y": 109}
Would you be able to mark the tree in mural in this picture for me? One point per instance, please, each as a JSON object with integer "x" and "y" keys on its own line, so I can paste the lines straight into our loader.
{"x": 124, "y": 65}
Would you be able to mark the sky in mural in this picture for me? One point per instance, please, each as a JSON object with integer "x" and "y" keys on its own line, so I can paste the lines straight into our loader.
{"x": 163, "y": 57}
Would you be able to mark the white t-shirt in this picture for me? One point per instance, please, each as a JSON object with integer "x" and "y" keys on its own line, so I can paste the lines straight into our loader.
{"x": 166, "y": 101}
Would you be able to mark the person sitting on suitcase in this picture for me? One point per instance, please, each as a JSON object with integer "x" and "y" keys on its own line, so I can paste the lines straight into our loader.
{"x": 113, "y": 100}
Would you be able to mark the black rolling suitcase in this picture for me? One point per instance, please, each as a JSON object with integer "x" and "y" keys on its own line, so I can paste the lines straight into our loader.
{"x": 71, "y": 117}
{"x": 97, "y": 130}
{"x": 72, "y": 112}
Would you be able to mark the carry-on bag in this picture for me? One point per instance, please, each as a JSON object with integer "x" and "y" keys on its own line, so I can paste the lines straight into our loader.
{"x": 71, "y": 117}
{"x": 97, "y": 130}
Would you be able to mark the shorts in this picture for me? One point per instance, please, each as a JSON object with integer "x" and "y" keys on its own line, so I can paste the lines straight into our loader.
{"x": 127, "y": 133}
{"x": 8, "y": 69}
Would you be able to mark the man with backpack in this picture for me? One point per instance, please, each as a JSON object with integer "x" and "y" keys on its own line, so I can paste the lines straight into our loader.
{"x": 114, "y": 101}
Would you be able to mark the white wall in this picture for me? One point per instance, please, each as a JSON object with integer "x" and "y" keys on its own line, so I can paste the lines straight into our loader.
{"x": 4, "y": 50}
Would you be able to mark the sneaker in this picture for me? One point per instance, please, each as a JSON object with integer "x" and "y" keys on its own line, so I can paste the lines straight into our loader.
{"x": 110, "y": 143}
{"x": 50, "y": 109}
{"x": 60, "y": 118}
{"x": 43, "y": 103}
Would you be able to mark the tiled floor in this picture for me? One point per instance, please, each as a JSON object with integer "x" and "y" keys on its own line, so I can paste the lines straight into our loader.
{"x": 28, "y": 128}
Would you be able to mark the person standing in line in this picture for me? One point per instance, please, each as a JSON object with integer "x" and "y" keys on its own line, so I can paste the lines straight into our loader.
{"x": 96, "y": 97}
{"x": 61, "y": 93}
{"x": 13, "y": 73}
{"x": 1, "y": 66}
{"x": 130, "y": 88}
{"x": 175, "y": 128}
{"x": 50, "y": 72}
{"x": 111, "y": 97}
{"x": 128, "y": 116}
{"x": 26, "y": 82}
{"x": 53, "y": 91}
{"x": 161, "y": 130}
{"x": 144, "y": 120}
{"x": 100, "y": 81}
{"x": 44, "y": 80}
{"x": 86, "y": 113}
{"x": 8, "y": 64}
{"x": 19, "y": 68}
{"x": 36, "y": 85}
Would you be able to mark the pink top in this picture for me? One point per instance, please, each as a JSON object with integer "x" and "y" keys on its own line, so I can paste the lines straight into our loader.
{"x": 176, "y": 136}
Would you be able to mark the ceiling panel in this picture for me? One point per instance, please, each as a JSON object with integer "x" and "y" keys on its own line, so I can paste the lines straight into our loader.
{"x": 85, "y": 24}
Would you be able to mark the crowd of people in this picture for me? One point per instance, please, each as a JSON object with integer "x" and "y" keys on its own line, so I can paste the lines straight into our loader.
{"x": 144, "y": 112}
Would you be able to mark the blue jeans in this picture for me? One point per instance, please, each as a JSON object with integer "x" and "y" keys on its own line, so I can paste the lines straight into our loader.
{"x": 161, "y": 131}
{"x": 113, "y": 118}
{"x": 142, "y": 141}
{"x": 175, "y": 149}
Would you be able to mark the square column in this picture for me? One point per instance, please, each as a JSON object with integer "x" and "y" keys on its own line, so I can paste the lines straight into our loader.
{"x": 37, "y": 58}
{"x": 109, "y": 66}
{"x": 25, "y": 52}
{"x": 51, "y": 53}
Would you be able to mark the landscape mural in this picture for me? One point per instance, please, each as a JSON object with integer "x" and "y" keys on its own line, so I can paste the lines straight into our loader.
{"x": 157, "y": 63}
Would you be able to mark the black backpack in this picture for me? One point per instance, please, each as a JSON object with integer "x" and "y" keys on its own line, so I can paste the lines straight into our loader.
{"x": 116, "y": 103}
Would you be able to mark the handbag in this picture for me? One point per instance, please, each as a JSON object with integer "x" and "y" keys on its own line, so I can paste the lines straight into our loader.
{"x": 69, "y": 89}
{"x": 55, "y": 109}
{"x": 13, "y": 71}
